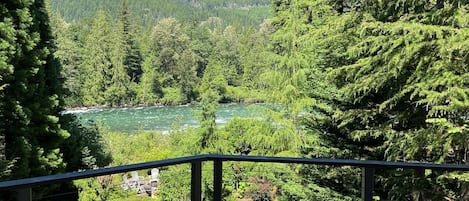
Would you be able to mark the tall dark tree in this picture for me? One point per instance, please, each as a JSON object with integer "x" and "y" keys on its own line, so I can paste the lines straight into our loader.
{"x": 133, "y": 59}
{"x": 119, "y": 90}
{"x": 31, "y": 91}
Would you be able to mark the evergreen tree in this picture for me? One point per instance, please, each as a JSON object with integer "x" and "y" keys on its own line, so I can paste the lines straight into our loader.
{"x": 201, "y": 46}
{"x": 133, "y": 58}
{"x": 250, "y": 12}
{"x": 212, "y": 90}
{"x": 120, "y": 90}
{"x": 401, "y": 95}
{"x": 256, "y": 58}
{"x": 308, "y": 39}
{"x": 209, "y": 106}
{"x": 405, "y": 91}
{"x": 97, "y": 61}
{"x": 31, "y": 91}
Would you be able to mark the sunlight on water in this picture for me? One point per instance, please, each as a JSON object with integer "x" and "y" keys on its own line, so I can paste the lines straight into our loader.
{"x": 159, "y": 118}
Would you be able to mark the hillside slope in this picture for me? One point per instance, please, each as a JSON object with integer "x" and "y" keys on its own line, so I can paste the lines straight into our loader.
{"x": 148, "y": 12}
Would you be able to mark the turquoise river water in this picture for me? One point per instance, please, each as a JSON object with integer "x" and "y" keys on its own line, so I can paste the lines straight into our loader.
{"x": 161, "y": 118}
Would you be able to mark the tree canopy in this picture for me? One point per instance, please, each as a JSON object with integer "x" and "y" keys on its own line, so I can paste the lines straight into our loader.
{"x": 352, "y": 79}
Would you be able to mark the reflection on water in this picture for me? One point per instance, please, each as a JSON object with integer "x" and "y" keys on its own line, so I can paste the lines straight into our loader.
{"x": 160, "y": 118}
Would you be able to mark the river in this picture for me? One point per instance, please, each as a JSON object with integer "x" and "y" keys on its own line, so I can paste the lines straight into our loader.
{"x": 161, "y": 118}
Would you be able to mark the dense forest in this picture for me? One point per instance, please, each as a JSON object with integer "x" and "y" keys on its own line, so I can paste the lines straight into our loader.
{"x": 161, "y": 64}
{"x": 149, "y": 12}
{"x": 353, "y": 79}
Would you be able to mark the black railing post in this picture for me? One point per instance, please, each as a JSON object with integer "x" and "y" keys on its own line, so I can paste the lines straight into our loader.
{"x": 217, "y": 179}
{"x": 367, "y": 183}
{"x": 196, "y": 180}
{"x": 24, "y": 194}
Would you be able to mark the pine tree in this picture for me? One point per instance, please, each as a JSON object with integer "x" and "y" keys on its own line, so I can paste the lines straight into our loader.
{"x": 133, "y": 58}
{"x": 309, "y": 37}
{"x": 97, "y": 61}
{"x": 405, "y": 90}
{"x": 31, "y": 91}
{"x": 119, "y": 90}
{"x": 256, "y": 58}
{"x": 212, "y": 90}
{"x": 401, "y": 85}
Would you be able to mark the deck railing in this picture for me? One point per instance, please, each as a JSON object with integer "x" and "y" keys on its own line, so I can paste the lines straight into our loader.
{"x": 23, "y": 186}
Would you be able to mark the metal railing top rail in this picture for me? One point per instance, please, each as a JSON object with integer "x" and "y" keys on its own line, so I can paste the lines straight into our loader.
{"x": 31, "y": 182}
{"x": 340, "y": 162}
{"x": 36, "y": 181}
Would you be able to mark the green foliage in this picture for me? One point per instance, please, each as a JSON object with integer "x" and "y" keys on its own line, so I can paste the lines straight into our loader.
{"x": 70, "y": 56}
{"x": 172, "y": 96}
{"x": 244, "y": 12}
{"x": 84, "y": 149}
{"x": 30, "y": 92}
{"x": 209, "y": 107}
{"x": 98, "y": 69}
{"x": 308, "y": 39}
{"x": 226, "y": 47}
{"x": 114, "y": 63}
{"x": 100, "y": 188}
{"x": 149, "y": 89}
{"x": 132, "y": 55}
{"x": 169, "y": 40}
{"x": 214, "y": 79}
{"x": 134, "y": 198}
{"x": 404, "y": 92}
{"x": 187, "y": 65}
{"x": 384, "y": 80}
{"x": 175, "y": 183}
{"x": 142, "y": 147}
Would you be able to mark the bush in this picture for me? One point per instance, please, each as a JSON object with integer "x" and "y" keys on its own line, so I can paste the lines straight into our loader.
{"x": 172, "y": 96}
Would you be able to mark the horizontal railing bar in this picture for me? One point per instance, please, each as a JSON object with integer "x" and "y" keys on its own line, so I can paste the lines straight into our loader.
{"x": 35, "y": 181}
{"x": 30, "y": 182}
{"x": 341, "y": 162}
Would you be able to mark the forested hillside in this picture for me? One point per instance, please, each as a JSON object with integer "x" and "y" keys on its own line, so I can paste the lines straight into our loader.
{"x": 149, "y": 12}
{"x": 115, "y": 62}
{"x": 383, "y": 80}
